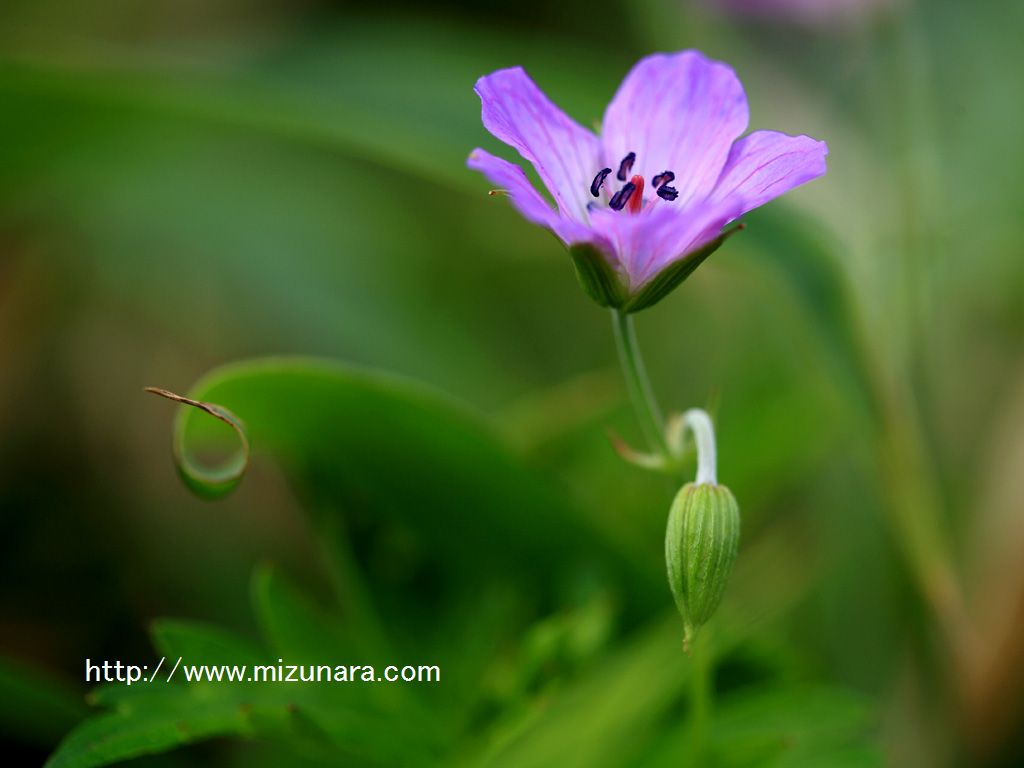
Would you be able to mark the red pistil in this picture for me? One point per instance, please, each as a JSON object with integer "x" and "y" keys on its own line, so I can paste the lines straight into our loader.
{"x": 636, "y": 200}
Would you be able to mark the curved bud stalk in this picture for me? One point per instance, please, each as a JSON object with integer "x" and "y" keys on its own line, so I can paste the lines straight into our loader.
{"x": 703, "y": 530}
{"x": 699, "y": 423}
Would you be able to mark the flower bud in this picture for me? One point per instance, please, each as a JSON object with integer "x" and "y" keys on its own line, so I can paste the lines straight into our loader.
{"x": 700, "y": 549}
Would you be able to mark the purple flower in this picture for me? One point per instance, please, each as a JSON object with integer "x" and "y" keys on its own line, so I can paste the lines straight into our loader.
{"x": 643, "y": 204}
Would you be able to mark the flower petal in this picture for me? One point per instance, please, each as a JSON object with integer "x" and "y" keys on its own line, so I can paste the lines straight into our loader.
{"x": 766, "y": 164}
{"x": 679, "y": 112}
{"x": 648, "y": 242}
{"x": 527, "y": 200}
{"x": 565, "y": 154}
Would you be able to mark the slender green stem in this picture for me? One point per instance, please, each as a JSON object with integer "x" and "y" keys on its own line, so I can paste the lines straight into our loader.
{"x": 639, "y": 386}
{"x": 701, "y": 696}
{"x": 647, "y": 411}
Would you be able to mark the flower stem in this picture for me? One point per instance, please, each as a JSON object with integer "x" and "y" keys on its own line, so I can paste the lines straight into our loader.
{"x": 701, "y": 696}
{"x": 647, "y": 411}
{"x": 640, "y": 392}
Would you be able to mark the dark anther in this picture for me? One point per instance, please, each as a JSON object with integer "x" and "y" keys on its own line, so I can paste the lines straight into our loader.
{"x": 665, "y": 192}
{"x": 620, "y": 198}
{"x": 595, "y": 185}
{"x": 663, "y": 178}
{"x": 626, "y": 166}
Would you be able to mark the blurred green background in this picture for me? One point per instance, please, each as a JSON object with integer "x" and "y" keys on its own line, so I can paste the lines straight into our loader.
{"x": 185, "y": 184}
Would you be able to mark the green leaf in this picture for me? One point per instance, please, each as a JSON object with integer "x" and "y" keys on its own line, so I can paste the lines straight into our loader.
{"x": 160, "y": 717}
{"x": 666, "y": 281}
{"x": 325, "y": 718}
{"x": 599, "y": 280}
{"x": 602, "y": 718}
{"x": 385, "y": 454}
{"x": 35, "y": 707}
{"x": 632, "y": 708}
{"x": 772, "y": 727}
{"x": 295, "y": 627}
{"x": 386, "y": 449}
{"x": 300, "y": 632}
{"x": 156, "y": 716}
{"x": 203, "y": 644}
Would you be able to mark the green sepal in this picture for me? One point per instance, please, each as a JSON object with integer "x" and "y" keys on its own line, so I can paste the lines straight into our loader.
{"x": 598, "y": 278}
{"x": 666, "y": 281}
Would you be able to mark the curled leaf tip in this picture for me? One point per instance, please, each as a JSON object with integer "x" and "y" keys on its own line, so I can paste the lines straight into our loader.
{"x": 208, "y": 482}
{"x": 208, "y": 407}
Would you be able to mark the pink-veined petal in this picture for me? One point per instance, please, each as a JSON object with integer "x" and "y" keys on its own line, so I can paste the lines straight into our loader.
{"x": 565, "y": 154}
{"x": 510, "y": 178}
{"x": 678, "y": 112}
{"x": 648, "y": 242}
{"x": 766, "y": 164}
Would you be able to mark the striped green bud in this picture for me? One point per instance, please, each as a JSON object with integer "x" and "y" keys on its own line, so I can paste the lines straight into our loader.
{"x": 700, "y": 549}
